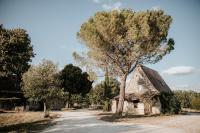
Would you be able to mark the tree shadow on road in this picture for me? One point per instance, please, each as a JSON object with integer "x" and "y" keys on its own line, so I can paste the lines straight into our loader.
{"x": 31, "y": 127}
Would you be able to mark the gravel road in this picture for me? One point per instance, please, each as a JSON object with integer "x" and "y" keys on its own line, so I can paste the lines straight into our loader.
{"x": 83, "y": 121}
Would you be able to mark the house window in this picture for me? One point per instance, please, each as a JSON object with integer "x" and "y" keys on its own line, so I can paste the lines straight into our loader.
{"x": 135, "y": 105}
{"x": 140, "y": 87}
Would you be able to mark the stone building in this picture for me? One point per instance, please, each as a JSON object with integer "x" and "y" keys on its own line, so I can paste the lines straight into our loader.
{"x": 142, "y": 93}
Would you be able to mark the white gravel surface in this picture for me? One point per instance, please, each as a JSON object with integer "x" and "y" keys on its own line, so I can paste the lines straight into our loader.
{"x": 84, "y": 121}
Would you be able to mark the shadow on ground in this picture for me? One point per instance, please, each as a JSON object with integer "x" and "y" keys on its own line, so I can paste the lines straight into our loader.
{"x": 31, "y": 127}
{"x": 110, "y": 117}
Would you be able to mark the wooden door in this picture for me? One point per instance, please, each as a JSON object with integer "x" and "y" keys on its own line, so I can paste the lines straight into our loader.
{"x": 147, "y": 109}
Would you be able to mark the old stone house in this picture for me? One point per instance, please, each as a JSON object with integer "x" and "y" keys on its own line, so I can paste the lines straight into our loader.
{"x": 142, "y": 92}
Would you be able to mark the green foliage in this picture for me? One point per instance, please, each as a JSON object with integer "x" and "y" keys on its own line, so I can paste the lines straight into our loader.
{"x": 87, "y": 64}
{"x": 97, "y": 94}
{"x": 104, "y": 91}
{"x": 74, "y": 81}
{"x": 76, "y": 98}
{"x": 16, "y": 51}
{"x": 119, "y": 39}
{"x": 81, "y": 101}
{"x": 170, "y": 103}
{"x": 107, "y": 105}
{"x": 195, "y": 103}
{"x": 41, "y": 83}
{"x": 188, "y": 99}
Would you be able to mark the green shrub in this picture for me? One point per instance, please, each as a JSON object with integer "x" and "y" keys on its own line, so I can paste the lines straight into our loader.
{"x": 188, "y": 99}
{"x": 106, "y": 106}
{"x": 195, "y": 103}
{"x": 170, "y": 103}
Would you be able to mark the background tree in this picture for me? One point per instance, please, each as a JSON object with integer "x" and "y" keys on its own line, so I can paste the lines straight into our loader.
{"x": 74, "y": 81}
{"x": 41, "y": 83}
{"x": 103, "y": 92}
{"x": 188, "y": 99}
{"x": 79, "y": 101}
{"x": 170, "y": 103}
{"x": 121, "y": 39}
{"x": 195, "y": 103}
{"x": 86, "y": 64}
{"x": 16, "y": 52}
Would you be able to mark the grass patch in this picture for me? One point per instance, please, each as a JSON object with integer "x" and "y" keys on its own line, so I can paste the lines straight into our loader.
{"x": 25, "y": 122}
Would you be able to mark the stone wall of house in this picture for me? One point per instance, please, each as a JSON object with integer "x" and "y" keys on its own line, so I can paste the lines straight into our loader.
{"x": 126, "y": 106}
{"x": 156, "y": 108}
{"x": 136, "y": 108}
{"x": 114, "y": 106}
{"x": 130, "y": 107}
{"x": 139, "y": 83}
{"x": 140, "y": 109}
{"x": 133, "y": 108}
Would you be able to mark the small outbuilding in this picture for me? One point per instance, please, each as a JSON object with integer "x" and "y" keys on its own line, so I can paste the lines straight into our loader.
{"x": 143, "y": 92}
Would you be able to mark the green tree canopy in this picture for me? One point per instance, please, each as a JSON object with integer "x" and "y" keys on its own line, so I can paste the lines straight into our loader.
{"x": 188, "y": 99}
{"x": 74, "y": 81}
{"x": 41, "y": 83}
{"x": 16, "y": 51}
{"x": 105, "y": 90}
{"x": 87, "y": 64}
{"x": 121, "y": 39}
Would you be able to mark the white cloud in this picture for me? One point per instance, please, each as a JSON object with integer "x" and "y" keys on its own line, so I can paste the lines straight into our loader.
{"x": 180, "y": 70}
{"x": 112, "y": 6}
{"x": 156, "y": 8}
{"x": 109, "y": 5}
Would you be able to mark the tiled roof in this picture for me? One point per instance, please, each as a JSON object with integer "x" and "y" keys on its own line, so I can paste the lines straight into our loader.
{"x": 156, "y": 80}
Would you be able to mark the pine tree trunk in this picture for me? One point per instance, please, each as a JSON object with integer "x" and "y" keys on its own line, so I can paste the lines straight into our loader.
{"x": 121, "y": 95}
{"x": 69, "y": 100}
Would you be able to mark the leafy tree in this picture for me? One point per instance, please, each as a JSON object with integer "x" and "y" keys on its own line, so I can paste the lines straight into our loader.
{"x": 87, "y": 64}
{"x": 195, "y": 103}
{"x": 184, "y": 98}
{"x": 16, "y": 52}
{"x": 97, "y": 94}
{"x": 81, "y": 101}
{"x": 170, "y": 103}
{"x": 41, "y": 83}
{"x": 104, "y": 91}
{"x": 188, "y": 99}
{"x": 74, "y": 81}
{"x": 121, "y": 39}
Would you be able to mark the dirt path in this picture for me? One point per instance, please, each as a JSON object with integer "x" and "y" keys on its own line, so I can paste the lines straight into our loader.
{"x": 87, "y": 122}
{"x": 189, "y": 123}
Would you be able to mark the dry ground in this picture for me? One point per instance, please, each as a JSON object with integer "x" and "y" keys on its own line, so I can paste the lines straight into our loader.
{"x": 189, "y": 122}
{"x": 87, "y": 121}
{"x": 24, "y": 121}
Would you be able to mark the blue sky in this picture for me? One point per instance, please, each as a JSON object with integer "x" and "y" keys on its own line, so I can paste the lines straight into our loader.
{"x": 53, "y": 24}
